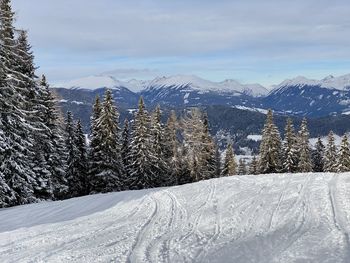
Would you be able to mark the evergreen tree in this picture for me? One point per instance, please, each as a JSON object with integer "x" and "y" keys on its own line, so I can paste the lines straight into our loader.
{"x": 270, "y": 147}
{"x": 253, "y": 167}
{"x": 35, "y": 109}
{"x": 141, "y": 173}
{"x": 125, "y": 149}
{"x": 330, "y": 161}
{"x": 344, "y": 156}
{"x": 305, "y": 164}
{"x": 95, "y": 153}
{"x": 109, "y": 172}
{"x": 54, "y": 148}
{"x": 242, "y": 168}
{"x": 318, "y": 156}
{"x": 289, "y": 149}
{"x": 217, "y": 162}
{"x": 158, "y": 150}
{"x": 71, "y": 155}
{"x": 208, "y": 156}
{"x": 80, "y": 181}
{"x": 230, "y": 166}
{"x": 15, "y": 124}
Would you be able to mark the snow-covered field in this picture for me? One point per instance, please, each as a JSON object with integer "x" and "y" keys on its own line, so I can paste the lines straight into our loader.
{"x": 265, "y": 218}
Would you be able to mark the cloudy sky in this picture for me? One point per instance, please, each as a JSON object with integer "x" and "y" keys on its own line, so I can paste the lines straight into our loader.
{"x": 248, "y": 40}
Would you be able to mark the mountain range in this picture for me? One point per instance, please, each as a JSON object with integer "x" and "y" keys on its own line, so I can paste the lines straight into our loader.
{"x": 234, "y": 110}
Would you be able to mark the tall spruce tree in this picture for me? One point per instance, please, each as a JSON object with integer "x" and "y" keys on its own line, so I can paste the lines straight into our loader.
{"x": 270, "y": 147}
{"x": 125, "y": 148}
{"x": 330, "y": 160}
{"x": 344, "y": 156}
{"x": 230, "y": 166}
{"x": 71, "y": 154}
{"x": 141, "y": 172}
{"x": 95, "y": 154}
{"x": 80, "y": 180}
{"x": 109, "y": 173}
{"x": 289, "y": 149}
{"x": 158, "y": 150}
{"x": 54, "y": 149}
{"x": 305, "y": 164}
{"x": 15, "y": 124}
{"x": 209, "y": 158}
{"x": 318, "y": 156}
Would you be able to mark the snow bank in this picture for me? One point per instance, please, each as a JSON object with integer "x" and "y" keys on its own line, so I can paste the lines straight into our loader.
{"x": 265, "y": 218}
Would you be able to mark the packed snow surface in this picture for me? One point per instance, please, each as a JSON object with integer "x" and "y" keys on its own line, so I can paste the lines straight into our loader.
{"x": 265, "y": 218}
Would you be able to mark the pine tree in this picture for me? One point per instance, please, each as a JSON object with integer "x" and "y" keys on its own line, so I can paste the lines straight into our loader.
{"x": 80, "y": 180}
{"x": 35, "y": 109}
{"x": 125, "y": 149}
{"x": 109, "y": 172}
{"x": 230, "y": 166}
{"x": 208, "y": 156}
{"x": 242, "y": 168}
{"x": 217, "y": 162}
{"x": 289, "y": 149}
{"x": 318, "y": 156}
{"x": 270, "y": 147}
{"x": 15, "y": 124}
{"x": 141, "y": 173}
{"x": 95, "y": 154}
{"x": 158, "y": 150}
{"x": 54, "y": 149}
{"x": 253, "y": 167}
{"x": 344, "y": 156}
{"x": 305, "y": 164}
{"x": 330, "y": 160}
{"x": 71, "y": 154}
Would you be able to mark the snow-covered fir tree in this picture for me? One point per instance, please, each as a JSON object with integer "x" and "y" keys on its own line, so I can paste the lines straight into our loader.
{"x": 15, "y": 123}
{"x": 242, "y": 167}
{"x": 71, "y": 154}
{"x": 95, "y": 154}
{"x": 253, "y": 166}
{"x": 270, "y": 147}
{"x": 142, "y": 159}
{"x": 109, "y": 173}
{"x": 330, "y": 158}
{"x": 230, "y": 166}
{"x": 159, "y": 165}
{"x": 54, "y": 149}
{"x": 343, "y": 164}
{"x": 209, "y": 156}
{"x": 289, "y": 148}
{"x": 125, "y": 147}
{"x": 305, "y": 163}
{"x": 317, "y": 156}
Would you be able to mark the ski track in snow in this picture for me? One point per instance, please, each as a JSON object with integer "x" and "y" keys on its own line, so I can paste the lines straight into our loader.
{"x": 264, "y": 218}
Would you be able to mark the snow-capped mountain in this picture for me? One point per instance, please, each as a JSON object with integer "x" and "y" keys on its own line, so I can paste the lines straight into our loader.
{"x": 175, "y": 82}
{"x": 192, "y": 82}
{"x": 103, "y": 81}
{"x": 329, "y": 82}
{"x": 298, "y": 96}
{"x": 309, "y": 97}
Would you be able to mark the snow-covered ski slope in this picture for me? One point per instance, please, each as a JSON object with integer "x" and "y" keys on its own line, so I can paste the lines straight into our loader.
{"x": 265, "y": 218}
